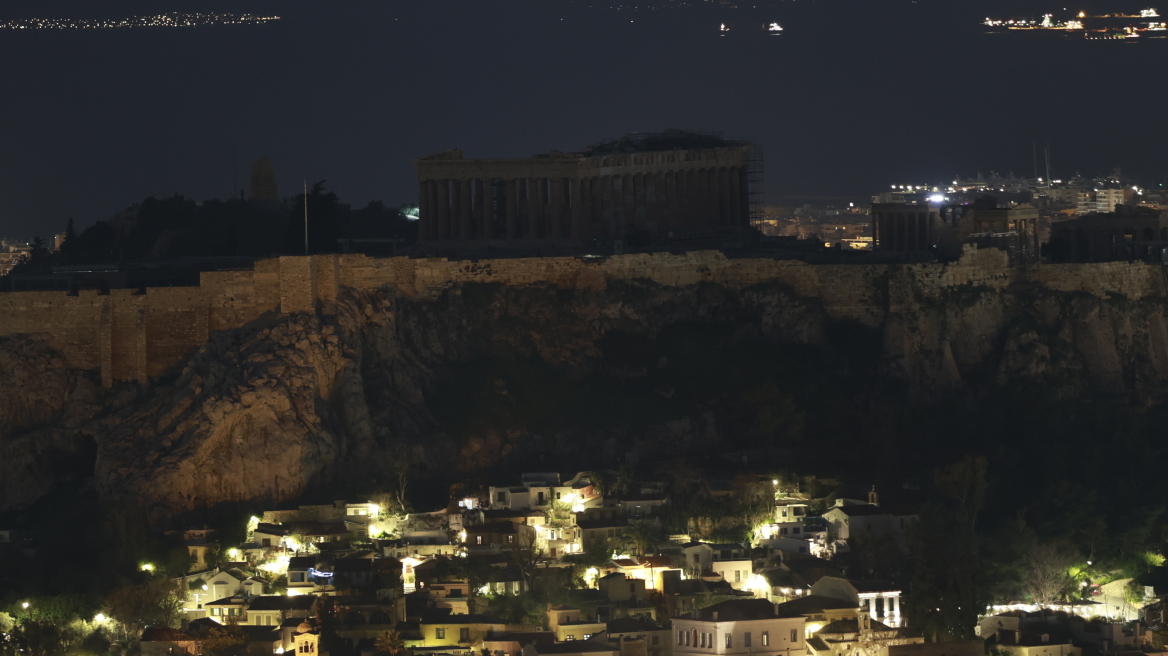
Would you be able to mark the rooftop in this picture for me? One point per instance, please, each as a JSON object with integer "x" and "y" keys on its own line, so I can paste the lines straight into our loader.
{"x": 734, "y": 610}
{"x": 632, "y": 625}
{"x": 811, "y": 605}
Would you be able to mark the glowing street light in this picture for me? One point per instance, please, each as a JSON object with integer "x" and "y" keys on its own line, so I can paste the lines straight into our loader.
{"x": 147, "y": 567}
{"x": 99, "y": 618}
{"x": 24, "y": 605}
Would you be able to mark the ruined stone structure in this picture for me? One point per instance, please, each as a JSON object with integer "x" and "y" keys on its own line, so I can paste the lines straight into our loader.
{"x": 263, "y": 182}
{"x": 1112, "y": 236}
{"x": 919, "y": 227}
{"x": 130, "y": 336}
{"x": 673, "y": 182}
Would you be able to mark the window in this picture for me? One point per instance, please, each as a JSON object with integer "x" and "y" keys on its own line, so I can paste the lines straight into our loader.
{"x": 478, "y": 539}
{"x": 738, "y": 576}
{"x": 464, "y": 634}
{"x": 501, "y": 497}
{"x": 570, "y": 636}
{"x": 680, "y": 638}
{"x": 766, "y": 638}
{"x": 654, "y": 641}
{"x": 794, "y": 635}
{"x": 440, "y": 634}
{"x": 587, "y": 636}
{"x": 510, "y": 539}
{"x": 746, "y": 639}
{"x": 729, "y": 641}
{"x": 296, "y": 577}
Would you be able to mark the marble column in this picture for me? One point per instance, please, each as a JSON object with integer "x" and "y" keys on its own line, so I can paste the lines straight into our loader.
{"x": 556, "y": 207}
{"x": 701, "y": 198}
{"x": 672, "y": 206}
{"x": 511, "y": 200}
{"x": 712, "y": 218}
{"x": 425, "y": 210}
{"x": 533, "y": 208}
{"x": 640, "y": 200}
{"x": 576, "y": 207}
{"x": 735, "y": 197}
{"x": 608, "y": 202}
{"x": 872, "y": 606}
{"x": 629, "y": 194}
{"x": 443, "y": 209}
{"x": 724, "y": 213}
{"x": 486, "y": 192}
{"x": 465, "y": 211}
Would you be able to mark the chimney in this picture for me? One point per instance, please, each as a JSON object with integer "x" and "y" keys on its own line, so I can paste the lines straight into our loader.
{"x": 1046, "y": 637}
{"x": 715, "y": 616}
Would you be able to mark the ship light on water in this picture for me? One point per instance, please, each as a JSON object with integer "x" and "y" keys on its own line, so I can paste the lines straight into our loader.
{"x": 1149, "y": 13}
{"x": 774, "y": 28}
{"x": 724, "y": 28}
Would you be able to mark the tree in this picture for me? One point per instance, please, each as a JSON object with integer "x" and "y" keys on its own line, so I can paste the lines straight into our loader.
{"x": 391, "y": 642}
{"x": 528, "y": 557}
{"x": 645, "y": 536}
{"x": 224, "y": 640}
{"x": 1046, "y": 577}
{"x": 69, "y": 246}
{"x": 948, "y": 591}
{"x": 156, "y": 602}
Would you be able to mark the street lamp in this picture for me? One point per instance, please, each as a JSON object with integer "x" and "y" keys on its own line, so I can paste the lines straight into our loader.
{"x": 24, "y": 605}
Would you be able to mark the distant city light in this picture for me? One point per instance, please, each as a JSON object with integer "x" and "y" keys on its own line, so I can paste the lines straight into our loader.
{"x": 173, "y": 19}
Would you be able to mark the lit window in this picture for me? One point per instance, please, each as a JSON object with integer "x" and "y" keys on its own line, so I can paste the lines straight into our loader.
{"x": 794, "y": 635}
{"x": 440, "y": 634}
{"x": 766, "y": 638}
{"x": 729, "y": 641}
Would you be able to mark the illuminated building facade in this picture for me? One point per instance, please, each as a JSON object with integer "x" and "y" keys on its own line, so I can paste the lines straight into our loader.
{"x": 665, "y": 184}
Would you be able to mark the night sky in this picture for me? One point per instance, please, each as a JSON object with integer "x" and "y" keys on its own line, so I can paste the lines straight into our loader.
{"x": 854, "y": 96}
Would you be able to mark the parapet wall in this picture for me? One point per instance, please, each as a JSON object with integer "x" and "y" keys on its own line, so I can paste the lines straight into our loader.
{"x": 130, "y": 336}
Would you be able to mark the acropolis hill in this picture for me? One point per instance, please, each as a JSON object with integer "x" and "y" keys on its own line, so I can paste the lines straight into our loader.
{"x": 135, "y": 337}
{"x": 269, "y": 383}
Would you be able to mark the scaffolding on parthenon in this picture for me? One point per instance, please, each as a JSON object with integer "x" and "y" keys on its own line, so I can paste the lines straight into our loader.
{"x": 754, "y": 181}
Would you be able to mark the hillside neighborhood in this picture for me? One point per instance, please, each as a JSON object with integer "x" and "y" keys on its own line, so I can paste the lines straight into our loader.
{"x": 589, "y": 564}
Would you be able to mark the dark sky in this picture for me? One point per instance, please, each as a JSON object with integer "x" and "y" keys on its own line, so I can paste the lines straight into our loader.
{"x": 856, "y": 95}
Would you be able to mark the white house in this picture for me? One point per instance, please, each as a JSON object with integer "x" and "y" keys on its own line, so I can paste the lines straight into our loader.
{"x": 849, "y": 521}
{"x": 880, "y": 597}
{"x": 750, "y": 627}
{"x": 735, "y": 572}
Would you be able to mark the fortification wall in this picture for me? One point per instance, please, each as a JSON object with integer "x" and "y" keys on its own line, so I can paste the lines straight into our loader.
{"x": 130, "y": 336}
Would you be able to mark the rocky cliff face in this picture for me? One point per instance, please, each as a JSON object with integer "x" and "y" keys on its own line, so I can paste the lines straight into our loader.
{"x": 44, "y": 407}
{"x": 487, "y": 374}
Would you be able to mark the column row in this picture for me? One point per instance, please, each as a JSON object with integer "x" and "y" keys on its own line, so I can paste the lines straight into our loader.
{"x": 605, "y": 207}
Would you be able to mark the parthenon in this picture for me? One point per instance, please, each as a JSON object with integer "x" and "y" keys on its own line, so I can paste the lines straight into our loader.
{"x": 665, "y": 184}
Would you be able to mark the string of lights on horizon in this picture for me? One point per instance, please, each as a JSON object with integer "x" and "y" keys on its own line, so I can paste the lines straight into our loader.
{"x": 172, "y": 19}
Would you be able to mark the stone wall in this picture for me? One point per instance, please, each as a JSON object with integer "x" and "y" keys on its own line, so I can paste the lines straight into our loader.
{"x": 130, "y": 336}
